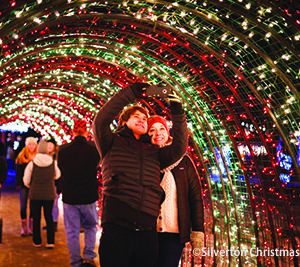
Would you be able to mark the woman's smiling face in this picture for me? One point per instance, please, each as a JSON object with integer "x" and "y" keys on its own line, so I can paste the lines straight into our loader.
{"x": 159, "y": 134}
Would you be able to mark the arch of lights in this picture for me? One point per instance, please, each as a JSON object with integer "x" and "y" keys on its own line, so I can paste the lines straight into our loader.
{"x": 236, "y": 66}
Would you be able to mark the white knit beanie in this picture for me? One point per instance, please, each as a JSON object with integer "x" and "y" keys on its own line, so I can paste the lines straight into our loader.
{"x": 42, "y": 147}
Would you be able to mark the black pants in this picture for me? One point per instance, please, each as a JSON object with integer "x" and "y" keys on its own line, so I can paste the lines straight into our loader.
{"x": 122, "y": 247}
{"x": 36, "y": 206}
{"x": 170, "y": 250}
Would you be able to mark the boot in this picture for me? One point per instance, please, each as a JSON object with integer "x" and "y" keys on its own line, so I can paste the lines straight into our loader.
{"x": 30, "y": 222}
{"x": 24, "y": 231}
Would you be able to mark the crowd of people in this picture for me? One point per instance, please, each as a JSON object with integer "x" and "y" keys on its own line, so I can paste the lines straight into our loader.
{"x": 152, "y": 200}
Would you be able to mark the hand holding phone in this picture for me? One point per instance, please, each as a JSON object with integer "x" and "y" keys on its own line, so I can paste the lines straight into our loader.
{"x": 174, "y": 97}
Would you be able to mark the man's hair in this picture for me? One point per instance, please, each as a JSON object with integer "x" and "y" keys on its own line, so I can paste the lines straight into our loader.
{"x": 127, "y": 112}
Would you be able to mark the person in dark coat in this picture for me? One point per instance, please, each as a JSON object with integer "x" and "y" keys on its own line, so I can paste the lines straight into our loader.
{"x": 182, "y": 217}
{"x": 3, "y": 177}
{"x": 131, "y": 177}
{"x": 78, "y": 162}
{"x": 52, "y": 150}
{"x": 3, "y": 167}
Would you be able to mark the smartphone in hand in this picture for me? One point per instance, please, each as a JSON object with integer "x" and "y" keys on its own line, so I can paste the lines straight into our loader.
{"x": 158, "y": 91}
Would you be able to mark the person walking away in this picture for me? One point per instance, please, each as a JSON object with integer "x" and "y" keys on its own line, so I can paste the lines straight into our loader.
{"x": 10, "y": 156}
{"x": 52, "y": 150}
{"x": 78, "y": 162}
{"x": 131, "y": 177}
{"x": 182, "y": 217}
{"x": 3, "y": 177}
{"x": 39, "y": 176}
{"x": 26, "y": 155}
{"x": 3, "y": 167}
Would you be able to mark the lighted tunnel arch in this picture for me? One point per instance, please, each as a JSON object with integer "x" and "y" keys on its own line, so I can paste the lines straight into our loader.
{"x": 235, "y": 65}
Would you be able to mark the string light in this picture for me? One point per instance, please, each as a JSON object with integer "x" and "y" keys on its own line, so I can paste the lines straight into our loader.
{"x": 236, "y": 75}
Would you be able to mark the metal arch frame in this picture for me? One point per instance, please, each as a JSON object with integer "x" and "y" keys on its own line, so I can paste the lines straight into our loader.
{"x": 283, "y": 136}
{"x": 224, "y": 193}
{"x": 278, "y": 125}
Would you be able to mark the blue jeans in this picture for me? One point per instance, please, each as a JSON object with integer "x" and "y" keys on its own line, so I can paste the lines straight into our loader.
{"x": 76, "y": 216}
{"x": 55, "y": 211}
{"x": 23, "y": 203}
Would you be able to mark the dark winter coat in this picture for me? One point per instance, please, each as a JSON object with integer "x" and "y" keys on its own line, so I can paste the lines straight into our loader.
{"x": 39, "y": 176}
{"x": 78, "y": 162}
{"x": 189, "y": 199}
{"x": 19, "y": 174}
{"x": 42, "y": 183}
{"x": 131, "y": 167}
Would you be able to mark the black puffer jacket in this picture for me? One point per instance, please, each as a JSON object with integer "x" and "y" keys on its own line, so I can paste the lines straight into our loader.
{"x": 78, "y": 163}
{"x": 131, "y": 167}
{"x": 189, "y": 199}
{"x": 19, "y": 174}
